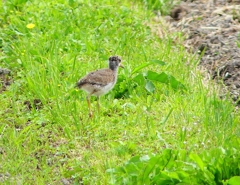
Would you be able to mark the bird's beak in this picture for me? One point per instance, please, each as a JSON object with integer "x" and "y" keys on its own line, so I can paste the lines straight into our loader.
{"x": 120, "y": 65}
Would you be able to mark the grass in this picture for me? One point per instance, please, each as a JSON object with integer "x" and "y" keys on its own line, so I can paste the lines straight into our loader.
{"x": 68, "y": 39}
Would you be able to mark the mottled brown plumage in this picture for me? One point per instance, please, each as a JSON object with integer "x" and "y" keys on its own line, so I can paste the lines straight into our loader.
{"x": 101, "y": 81}
{"x": 100, "y": 77}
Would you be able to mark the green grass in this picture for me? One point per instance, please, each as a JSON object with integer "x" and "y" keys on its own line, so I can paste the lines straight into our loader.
{"x": 71, "y": 38}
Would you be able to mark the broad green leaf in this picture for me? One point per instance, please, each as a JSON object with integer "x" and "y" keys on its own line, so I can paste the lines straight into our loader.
{"x": 165, "y": 78}
{"x": 168, "y": 156}
{"x": 234, "y": 180}
{"x": 132, "y": 169}
{"x": 182, "y": 154}
{"x": 152, "y": 164}
{"x": 198, "y": 160}
{"x": 139, "y": 79}
{"x": 135, "y": 159}
{"x": 173, "y": 175}
{"x": 150, "y": 86}
{"x": 121, "y": 170}
{"x": 163, "y": 179}
{"x": 159, "y": 62}
{"x": 208, "y": 176}
{"x": 182, "y": 175}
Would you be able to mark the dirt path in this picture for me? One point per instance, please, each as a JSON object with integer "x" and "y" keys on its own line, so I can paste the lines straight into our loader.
{"x": 213, "y": 26}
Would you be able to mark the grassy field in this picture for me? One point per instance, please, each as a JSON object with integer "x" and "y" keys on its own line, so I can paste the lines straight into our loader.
{"x": 46, "y": 136}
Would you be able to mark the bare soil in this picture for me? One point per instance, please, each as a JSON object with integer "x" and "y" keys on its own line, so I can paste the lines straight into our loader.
{"x": 5, "y": 79}
{"x": 212, "y": 28}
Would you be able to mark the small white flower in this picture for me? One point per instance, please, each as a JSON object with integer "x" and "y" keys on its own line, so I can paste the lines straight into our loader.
{"x": 189, "y": 129}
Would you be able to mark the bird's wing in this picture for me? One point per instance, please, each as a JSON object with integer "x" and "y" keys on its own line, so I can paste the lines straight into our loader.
{"x": 100, "y": 77}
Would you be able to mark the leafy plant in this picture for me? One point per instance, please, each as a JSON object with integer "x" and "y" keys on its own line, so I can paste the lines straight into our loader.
{"x": 217, "y": 166}
{"x": 146, "y": 79}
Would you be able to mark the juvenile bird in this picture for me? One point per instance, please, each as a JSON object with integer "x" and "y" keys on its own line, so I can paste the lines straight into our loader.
{"x": 100, "y": 82}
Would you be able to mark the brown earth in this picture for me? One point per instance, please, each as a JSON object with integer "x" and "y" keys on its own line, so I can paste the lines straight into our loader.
{"x": 5, "y": 79}
{"x": 212, "y": 28}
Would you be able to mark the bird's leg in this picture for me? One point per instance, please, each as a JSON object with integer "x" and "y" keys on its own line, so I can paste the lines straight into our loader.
{"x": 89, "y": 105}
{"x": 98, "y": 103}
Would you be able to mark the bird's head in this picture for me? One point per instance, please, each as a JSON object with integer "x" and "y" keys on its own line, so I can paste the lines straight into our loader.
{"x": 115, "y": 62}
